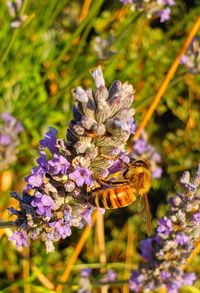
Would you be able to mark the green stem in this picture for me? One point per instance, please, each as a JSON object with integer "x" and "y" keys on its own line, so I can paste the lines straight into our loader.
{"x": 7, "y": 224}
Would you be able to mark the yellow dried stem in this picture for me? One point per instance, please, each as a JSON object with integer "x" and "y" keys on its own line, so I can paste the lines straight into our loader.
{"x": 26, "y": 270}
{"x": 85, "y": 9}
{"x": 167, "y": 79}
{"x": 76, "y": 253}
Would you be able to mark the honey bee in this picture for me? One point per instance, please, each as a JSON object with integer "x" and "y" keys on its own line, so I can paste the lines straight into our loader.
{"x": 136, "y": 183}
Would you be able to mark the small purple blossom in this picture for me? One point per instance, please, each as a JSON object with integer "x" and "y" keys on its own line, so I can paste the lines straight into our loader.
{"x": 62, "y": 228}
{"x": 165, "y": 226}
{"x": 58, "y": 165}
{"x": 181, "y": 238}
{"x": 191, "y": 59}
{"x": 81, "y": 176}
{"x": 20, "y": 237}
{"x": 49, "y": 140}
{"x": 43, "y": 204}
{"x": 86, "y": 273}
{"x": 196, "y": 217}
{"x": 142, "y": 149}
{"x": 165, "y": 14}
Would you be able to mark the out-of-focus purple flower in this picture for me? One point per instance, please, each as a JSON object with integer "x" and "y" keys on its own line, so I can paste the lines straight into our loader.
{"x": 9, "y": 139}
{"x": 81, "y": 176}
{"x": 109, "y": 277}
{"x": 161, "y": 8}
{"x": 191, "y": 60}
{"x": 165, "y": 14}
{"x": 86, "y": 273}
{"x": 173, "y": 243}
{"x": 20, "y": 237}
{"x": 189, "y": 279}
{"x": 143, "y": 150}
{"x": 43, "y": 204}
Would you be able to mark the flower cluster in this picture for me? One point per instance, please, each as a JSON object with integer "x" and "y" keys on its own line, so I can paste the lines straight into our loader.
{"x": 56, "y": 194}
{"x": 9, "y": 139}
{"x": 14, "y": 8}
{"x": 159, "y": 8}
{"x": 166, "y": 253}
{"x": 142, "y": 149}
{"x": 191, "y": 60}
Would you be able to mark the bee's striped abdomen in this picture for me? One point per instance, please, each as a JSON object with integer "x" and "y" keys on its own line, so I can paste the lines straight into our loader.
{"x": 112, "y": 198}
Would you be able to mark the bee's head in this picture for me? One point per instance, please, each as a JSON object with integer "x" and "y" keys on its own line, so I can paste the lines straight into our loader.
{"x": 137, "y": 167}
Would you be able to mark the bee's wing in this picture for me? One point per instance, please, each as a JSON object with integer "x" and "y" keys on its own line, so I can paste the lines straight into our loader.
{"x": 144, "y": 211}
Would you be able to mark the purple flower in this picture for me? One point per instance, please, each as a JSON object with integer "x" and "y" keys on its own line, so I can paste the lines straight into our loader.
{"x": 165, "y": 275}
{"x": 86, "y": 273}
{"x": 135, "y": 281}
{"x": 20, "y": 237}
{"x": 146, "y": 249}
{"x": 87, "y": 214}
{"x": 43, "y": 203}
{"x": 81, "y": 176}
{"x": 140, "y": 146}
{"x": 36, "y": 178}
{"x": 165, "y": 226}
{"x": 181, "y": 238}
{"x": 62, "y": 228}
{"x": 49, "y": 140}
{"x": 109, "y": 277}
{"x": 58, "y": 165}
{"x": 196, "y": 217}
{"x": 5, "y": 139}
{"x": 165, "y": 14}
{"x": 157, "y": 173}
{"x": 189, "y": 279}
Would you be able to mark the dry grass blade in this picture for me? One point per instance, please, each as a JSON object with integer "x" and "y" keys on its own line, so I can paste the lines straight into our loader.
{"x": 76, "y": 253}
{"x": 167, "y": 78}
{"x": 41, "y": 277}
{"x": 85, "y": 8}
{"x": 26, "y": 270}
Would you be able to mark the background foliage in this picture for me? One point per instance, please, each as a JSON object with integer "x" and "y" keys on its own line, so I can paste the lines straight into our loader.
{"x": 48, "y": 55}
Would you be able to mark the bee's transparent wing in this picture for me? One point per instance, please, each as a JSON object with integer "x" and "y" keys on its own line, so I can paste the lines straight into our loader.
{"x": 144, "y": 211}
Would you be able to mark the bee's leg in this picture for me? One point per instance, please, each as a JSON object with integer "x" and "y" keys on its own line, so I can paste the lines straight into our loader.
{"x": 115, "y": 158}
{"x": 108, "y": 181}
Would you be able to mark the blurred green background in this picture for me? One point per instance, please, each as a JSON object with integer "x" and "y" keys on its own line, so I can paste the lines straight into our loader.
{"x": 50, "y": 52}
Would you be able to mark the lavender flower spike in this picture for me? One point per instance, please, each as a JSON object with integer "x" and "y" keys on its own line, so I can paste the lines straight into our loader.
{"x": 167, "y": 252}
{"x": 55, "y": 198}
